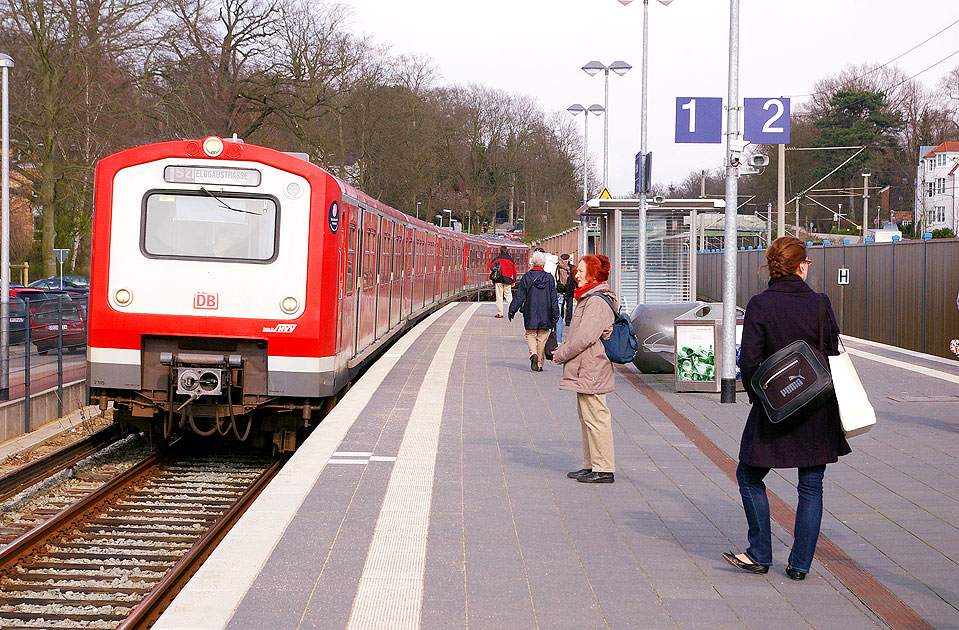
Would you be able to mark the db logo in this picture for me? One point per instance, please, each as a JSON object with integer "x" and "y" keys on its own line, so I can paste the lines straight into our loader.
{"x": 206, "y": 300}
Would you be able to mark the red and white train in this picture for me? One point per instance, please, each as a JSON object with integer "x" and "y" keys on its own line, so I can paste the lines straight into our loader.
{"x": 238, "y": 289}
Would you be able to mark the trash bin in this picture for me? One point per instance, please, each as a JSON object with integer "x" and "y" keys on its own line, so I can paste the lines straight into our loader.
{"x": 698, "y": 338}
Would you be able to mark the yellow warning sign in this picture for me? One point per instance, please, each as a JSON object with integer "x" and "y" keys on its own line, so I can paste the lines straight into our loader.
{"x": 605, "y": 194}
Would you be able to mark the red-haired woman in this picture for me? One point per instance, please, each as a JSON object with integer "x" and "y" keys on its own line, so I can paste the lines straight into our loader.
{"x": 788, "y": 310}
{"x": 587, "y": 371}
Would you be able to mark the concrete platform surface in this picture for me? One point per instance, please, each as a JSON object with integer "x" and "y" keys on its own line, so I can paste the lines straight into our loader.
{"x": 435, "y": 496}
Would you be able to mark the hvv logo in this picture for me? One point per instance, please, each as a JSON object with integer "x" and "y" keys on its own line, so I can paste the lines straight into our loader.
{"x": 206, "y": 300}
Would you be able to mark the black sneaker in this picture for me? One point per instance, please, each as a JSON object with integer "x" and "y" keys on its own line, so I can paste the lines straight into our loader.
{"x": 596, "y": 477}
{"x": 579, "y": 473}
{"x": 534, "y": 363}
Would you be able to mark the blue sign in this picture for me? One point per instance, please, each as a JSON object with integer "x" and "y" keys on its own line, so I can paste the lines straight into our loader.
{"x": 766, "y": 120}
{"x": 334, "y": 217}
{"x": 699, "y": 119}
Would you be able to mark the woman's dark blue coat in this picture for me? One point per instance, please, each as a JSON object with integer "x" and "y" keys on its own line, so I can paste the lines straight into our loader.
{"x": 536, "y": 297}
{"x": 788, "y": 310}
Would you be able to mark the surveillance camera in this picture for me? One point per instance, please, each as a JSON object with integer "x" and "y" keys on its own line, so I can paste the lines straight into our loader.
{"x": 758, "y": 160}
{"x": 659, "y": 199}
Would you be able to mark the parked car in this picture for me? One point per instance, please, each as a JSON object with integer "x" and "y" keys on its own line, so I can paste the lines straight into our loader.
{"x": 36, "y": 297}
{"x": 67, "y": 282}
{"x": 18, "y": 320}
{"x": 48, "y": 322}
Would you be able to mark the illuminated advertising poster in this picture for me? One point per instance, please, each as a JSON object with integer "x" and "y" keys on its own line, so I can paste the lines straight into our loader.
{"x": 696, "y": 354}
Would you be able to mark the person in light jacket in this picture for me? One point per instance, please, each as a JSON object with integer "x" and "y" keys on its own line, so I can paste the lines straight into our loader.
{"x": 536, "y": 297}
{"x": 808, "y": 440}
{"x": 587, "y": 371}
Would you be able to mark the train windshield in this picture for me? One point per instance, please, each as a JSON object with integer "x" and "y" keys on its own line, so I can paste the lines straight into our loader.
{"x": 211, "y": 226}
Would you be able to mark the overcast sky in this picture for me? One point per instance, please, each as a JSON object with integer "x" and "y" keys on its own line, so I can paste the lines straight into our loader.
{"x": 537, "y": 47}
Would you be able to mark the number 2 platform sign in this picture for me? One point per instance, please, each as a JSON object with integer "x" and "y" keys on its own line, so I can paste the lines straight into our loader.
{"x": 700, "y": 120}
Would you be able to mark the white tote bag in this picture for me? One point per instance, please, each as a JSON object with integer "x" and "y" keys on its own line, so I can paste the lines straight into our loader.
{"x": 855, "y": 412}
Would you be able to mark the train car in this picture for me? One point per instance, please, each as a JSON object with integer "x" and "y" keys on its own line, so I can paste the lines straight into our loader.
{"x": 236, "y": 289}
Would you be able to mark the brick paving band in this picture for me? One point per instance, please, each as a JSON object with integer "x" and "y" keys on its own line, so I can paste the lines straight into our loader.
{"x": 883, "y": 602}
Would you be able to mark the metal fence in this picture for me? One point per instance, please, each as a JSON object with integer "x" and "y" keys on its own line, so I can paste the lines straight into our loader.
{"x": 47, "y": 346}
{"x": 903, "y": 294}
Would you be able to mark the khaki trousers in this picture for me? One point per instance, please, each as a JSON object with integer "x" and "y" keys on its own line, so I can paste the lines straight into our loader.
{"x": 503, "y": 291}
{"x": 597, "y": 425}
{"x": 536, "y": 342}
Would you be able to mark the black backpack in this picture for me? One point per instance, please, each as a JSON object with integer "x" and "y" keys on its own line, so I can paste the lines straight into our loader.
{"x": 622, "y": 344}
{"x": 496, "y": 273}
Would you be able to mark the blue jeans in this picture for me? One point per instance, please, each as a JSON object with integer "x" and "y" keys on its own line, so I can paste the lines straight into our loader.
{"x": 559, "y": 323}
{"x": 808, "y": 515}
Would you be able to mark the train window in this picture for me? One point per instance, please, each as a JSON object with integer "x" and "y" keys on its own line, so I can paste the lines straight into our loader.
{"x": 227, "y": 226}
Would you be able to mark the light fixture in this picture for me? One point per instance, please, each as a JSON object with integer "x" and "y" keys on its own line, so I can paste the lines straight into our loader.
{"x": 620, "y": 67}
{"x": 593, "y": 68}
{"x": 212, "y": 146}
{"x": 289, "y": 305}
{"x": 123, "y": 297}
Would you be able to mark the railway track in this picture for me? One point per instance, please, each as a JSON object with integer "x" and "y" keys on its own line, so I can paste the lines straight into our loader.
{"x": 112, "y": 559}
{"x": 38, "y": 470}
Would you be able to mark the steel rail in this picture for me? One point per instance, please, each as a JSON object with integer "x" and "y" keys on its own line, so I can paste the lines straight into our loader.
{"x": 28, "y": 542}
{"x": 38, "y": 470}
{"x": 156, "y": 601}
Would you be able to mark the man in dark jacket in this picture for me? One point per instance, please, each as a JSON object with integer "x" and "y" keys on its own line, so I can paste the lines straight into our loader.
{"x": 536, "y": 297}
{"x": 504, "y": 284}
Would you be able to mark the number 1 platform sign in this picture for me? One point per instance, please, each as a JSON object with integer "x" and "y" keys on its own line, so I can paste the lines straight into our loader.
{"x": 699, "y": 120}
{"x": 766, "y": 120}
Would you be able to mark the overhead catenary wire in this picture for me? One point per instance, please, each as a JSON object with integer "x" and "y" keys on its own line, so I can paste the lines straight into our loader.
{"x": 897, "y": 58}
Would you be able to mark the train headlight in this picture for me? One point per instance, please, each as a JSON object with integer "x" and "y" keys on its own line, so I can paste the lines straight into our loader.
{"x": 289, "y": 305}
{"x": 123, "y": 297}
{"x": 212, "y": 146}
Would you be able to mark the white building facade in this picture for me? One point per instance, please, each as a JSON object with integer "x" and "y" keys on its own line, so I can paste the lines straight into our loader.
{"x": 937, "y": 177}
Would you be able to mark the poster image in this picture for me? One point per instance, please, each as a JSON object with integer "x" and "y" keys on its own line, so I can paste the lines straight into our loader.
{"x": 695, "y": 356}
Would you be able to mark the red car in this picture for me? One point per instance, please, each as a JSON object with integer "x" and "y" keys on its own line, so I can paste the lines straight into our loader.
{"x": 47, "y": 324}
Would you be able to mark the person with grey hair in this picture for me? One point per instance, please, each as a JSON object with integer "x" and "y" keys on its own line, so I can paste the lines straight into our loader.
{"x": 536, "y": 298}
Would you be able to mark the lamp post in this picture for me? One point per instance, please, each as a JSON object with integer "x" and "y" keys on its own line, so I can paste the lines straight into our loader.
{"x": 592, "y": 69}
{"x": 575, "y": 110}
{"x": 450, "y": 222}
{"x": 440, "y": 217}
{"x": 523, "y": 204}
{"x": 641, "y": 283}
{"x": 418, "y": 204}
{"x": 6, "y": 62}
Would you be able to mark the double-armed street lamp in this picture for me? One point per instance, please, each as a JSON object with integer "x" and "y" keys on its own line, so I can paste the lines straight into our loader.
{"x": 641, "y": 283}
{"x": 592, "y": 69}
{"x": 575, "y": 110}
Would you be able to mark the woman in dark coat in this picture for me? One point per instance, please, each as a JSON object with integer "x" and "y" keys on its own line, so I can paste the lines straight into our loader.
{"x": 808, "y": 440}
{"x": 536, "y": 297}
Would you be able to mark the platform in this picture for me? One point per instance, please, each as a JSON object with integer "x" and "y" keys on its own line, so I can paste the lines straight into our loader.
{"x": 435, "y": 496}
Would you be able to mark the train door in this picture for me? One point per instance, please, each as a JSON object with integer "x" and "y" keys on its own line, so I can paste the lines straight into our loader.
{"x": 367, "y": 314}
{"x": 408, "y": 272}
{"x": 396, "y": 274}
{"x": 383, "y": 259}
{"x": 348, "y": 289}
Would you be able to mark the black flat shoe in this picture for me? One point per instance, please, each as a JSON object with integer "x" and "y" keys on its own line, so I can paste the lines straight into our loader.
{"x": 596, "y": 477}
{"x": 752, "y": 567}
{"x": 579, "y": 473}
{"x": 794, "y": 574}
{"x": 533, "y": 363}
